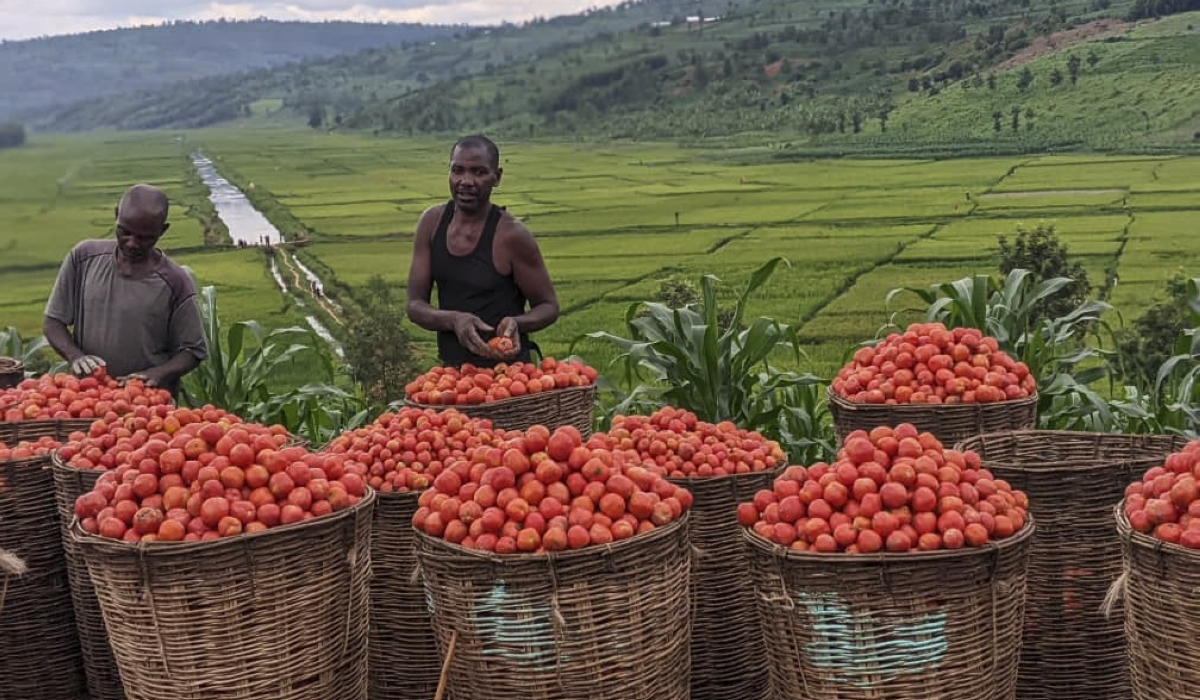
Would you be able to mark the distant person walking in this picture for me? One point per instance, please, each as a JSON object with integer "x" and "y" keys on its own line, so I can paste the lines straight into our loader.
{"x": 490, "y": 275}
{"x": 128, "y": 306}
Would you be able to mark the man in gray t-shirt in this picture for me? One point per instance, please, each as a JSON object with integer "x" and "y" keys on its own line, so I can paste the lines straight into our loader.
{"x": 130, "y": 308}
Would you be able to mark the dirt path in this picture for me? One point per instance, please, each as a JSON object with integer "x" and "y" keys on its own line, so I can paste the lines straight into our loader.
{"x": 1048, "y": 193}
{"x": 1046, "y": 45}
{"x": 299, "y": 281}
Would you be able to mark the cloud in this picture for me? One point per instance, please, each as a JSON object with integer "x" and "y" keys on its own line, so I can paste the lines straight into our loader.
{"x": 50, "y": 17}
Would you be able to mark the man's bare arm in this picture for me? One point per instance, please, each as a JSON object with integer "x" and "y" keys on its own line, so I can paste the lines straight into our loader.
{"x": 60, "y": 339}
{"x": 532, "y": 277}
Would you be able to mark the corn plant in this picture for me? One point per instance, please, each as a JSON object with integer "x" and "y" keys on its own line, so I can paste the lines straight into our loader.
{"x": 1177, "y": 386}
{"x": 682, "y": 357}
{"x": 250, "y": 372}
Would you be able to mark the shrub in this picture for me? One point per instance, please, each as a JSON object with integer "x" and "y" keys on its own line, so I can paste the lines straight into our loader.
{"x": 1042, "y": 253}
{"x": 378, "y": 348}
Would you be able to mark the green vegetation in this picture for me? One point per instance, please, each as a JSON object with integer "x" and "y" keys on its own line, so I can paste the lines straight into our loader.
{"x": 1044, "y": 255}
{"x": 683, "y": 357}
{"x": 605, "y": 219}
{"x": 937, "y": 77}
{"x": 42, "y": 74}
{"x": 379, "y": 354}
{"x": 333, "y": 87}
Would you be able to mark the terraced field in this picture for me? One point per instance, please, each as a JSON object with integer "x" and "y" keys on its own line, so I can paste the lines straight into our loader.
{"x": 615, "y": 220}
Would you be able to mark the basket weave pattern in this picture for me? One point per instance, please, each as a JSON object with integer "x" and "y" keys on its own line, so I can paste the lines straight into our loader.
{"x": 728, "y": 662}
{"x": 275, "y": 615}
{"x": 103, "y": 678}
{"x": 1071, "y": 651}
{"x": 12, "y": 432}
{"x": 39, "y": 651}
{"x": 949, "y": 423}
{"x": 592, "y": 624}
{"x": 944, "y": 625}
{"x": 405, "y": 662}
{"x": 553, "y": 409}
{"x": 1162, "y": 615}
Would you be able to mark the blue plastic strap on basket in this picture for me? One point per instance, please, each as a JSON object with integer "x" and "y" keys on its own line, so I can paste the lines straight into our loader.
{"x": 864, "y": 651}
{"x": 511, "y": 626}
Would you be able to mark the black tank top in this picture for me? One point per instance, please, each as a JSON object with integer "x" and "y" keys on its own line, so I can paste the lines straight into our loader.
{"x": 471, "y": 283}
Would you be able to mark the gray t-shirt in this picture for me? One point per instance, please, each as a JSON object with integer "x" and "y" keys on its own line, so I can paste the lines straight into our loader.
{"x": 132, "y": 323}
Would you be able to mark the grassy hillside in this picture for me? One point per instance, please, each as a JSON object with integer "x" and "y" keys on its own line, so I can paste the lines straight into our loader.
{"x": 38, "y": 74}
{"x": 1139, "y": 84}
{"x": 935, "y": 77}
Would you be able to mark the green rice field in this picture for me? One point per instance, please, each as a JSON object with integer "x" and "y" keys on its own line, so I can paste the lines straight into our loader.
{"x": 605, "y": 217}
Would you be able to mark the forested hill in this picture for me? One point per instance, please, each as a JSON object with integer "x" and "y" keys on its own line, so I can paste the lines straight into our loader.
{"x": 343, "y": 84}
{"x": 39, "y": 73}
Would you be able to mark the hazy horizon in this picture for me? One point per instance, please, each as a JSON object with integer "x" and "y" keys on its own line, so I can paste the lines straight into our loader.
{"x": 59, "y": 17}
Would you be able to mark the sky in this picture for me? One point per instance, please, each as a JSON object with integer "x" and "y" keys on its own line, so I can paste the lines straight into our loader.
{"x": 21, "y": 19}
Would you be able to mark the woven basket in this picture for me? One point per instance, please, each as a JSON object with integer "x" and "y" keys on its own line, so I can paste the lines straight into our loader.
{"x": 39, "y": 650}
{"x": 1162, "y": 615}
{"x": 944, "y": 624}
{"x": 553, "y": 409}
{"x": 404, "y": 659}
{"x": 12, "y": 371}
{"x": 728, "y": 662}
{"x": 12, "y": 432}
{"x": 103, "y": 678}
{"x": 950, "y": 423}
{"x": 1073, "y": 479}
{"x": 611, "y": 622}
{"x": 275, "y": 615}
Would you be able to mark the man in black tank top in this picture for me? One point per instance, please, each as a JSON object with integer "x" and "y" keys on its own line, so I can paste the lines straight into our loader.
{"x": 490, "y": 275}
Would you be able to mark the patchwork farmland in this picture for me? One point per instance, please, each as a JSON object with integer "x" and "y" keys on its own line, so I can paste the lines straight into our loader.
{"x": 606, "y": 219}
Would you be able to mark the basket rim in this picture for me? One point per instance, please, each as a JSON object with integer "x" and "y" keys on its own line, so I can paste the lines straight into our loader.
{"x": 511, "y": 401}
{"x": 398, "y": 495}
{"x": 1045, "y": 466}
{"x": 24, "y": 461}
{"x": 75, "y": 424}
{"x": 81, "y": 537}
{"x": 1142, "y": 540}
{"x": 589, "y": 551}
{"x": 693, "y": 478}
{"x": 836, "y": 398}
{"x": 912, "y": 557}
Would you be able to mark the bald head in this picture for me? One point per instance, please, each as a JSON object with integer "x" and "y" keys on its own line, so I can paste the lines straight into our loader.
{"x": 141, "y": 221}
{"x": 145, "y": 203}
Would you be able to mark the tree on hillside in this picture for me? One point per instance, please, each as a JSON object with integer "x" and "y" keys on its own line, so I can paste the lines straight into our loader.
{"x": 12, "y": 135}
{"x": 1016, "y": 118}
{"x": 1056, "y": 77}
{"x": 1042, "y": 253}
{"x": 1025, "y": 79}
{"x": 991, "y": 81}
{"x": 1029, "y": 119}
{"x": 316, "y": 116}
{"x": 1093, "y": 58}
{"x": 1073, "y": 64}
{"x": 996, "y": 117}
